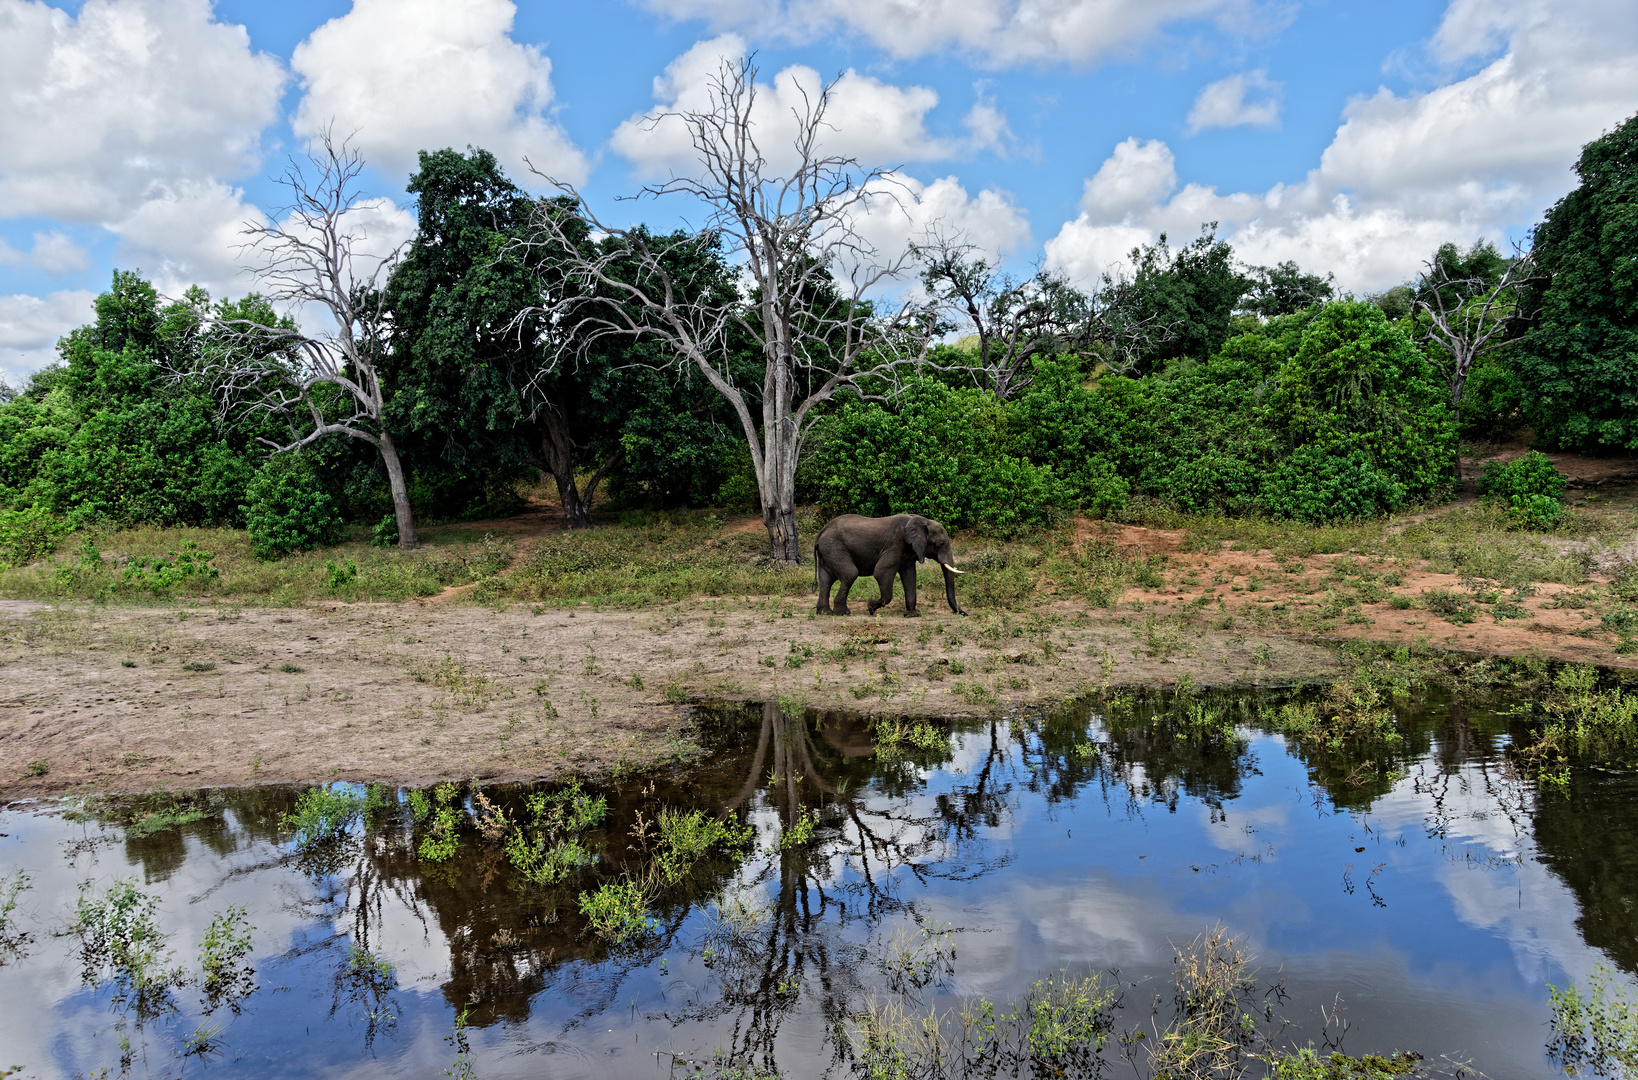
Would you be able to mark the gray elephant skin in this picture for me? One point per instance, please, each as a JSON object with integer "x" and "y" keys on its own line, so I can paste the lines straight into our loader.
{"x": 884, "y": 548}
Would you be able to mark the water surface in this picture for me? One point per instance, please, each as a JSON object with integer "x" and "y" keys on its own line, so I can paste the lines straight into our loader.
{"x": 1428, "y": 893}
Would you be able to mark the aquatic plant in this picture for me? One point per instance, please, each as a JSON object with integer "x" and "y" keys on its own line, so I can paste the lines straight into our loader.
{"x": 324, "y": 813}
{"x": 222, "y": 953}
{"x": 442, "y": 839}
{"x": 12, "y": 938}
{"x": 617, "y": 912}
{"x": 1580, "y": 722}
{"x": 1595, "y": 1030}
{"x": 686, "y": 838}
{"x": 119, "y": 935}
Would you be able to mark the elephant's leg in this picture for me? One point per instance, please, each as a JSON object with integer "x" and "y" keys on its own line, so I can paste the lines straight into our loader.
{"x": 908, "y": 573}
{"x": 848, "y": 577}
{"x": 826, "y": 580}
{"x": 886, "y": 571}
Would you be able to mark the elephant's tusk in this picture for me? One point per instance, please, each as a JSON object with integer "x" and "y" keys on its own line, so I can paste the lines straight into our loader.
{"x": 951, "y": 569}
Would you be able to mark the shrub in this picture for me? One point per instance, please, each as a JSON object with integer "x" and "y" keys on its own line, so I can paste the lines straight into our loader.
{"x": 616, "y": 912}
{"x": 1536, "y": 513}
{"x": 26, "y": 535}
{"x": 1530, "y": 475}
{"x": 1314, "y": 485}
{"x": 941, "y": 452}
{"x": 288, "y": 511}
{"x": 325, "y": 813}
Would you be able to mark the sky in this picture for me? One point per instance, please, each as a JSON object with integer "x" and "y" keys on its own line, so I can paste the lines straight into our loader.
{"x": 1353, "y": 138}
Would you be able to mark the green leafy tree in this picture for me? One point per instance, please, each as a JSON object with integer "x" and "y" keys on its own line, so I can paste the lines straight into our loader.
{"x": 478, "y": 388}
{"x": 1580, "y": 356}
{"x": 109, "y": 435}
{"x": 1191, "y": 292}
{"x": 1272, "y": 291}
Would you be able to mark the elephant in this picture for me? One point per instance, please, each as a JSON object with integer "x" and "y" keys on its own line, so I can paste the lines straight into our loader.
{"x": 851, "y": 545}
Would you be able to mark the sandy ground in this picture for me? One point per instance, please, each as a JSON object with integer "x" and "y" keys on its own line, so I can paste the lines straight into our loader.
{"x": 108, "y": 698}
{"x": 100, "y": 698}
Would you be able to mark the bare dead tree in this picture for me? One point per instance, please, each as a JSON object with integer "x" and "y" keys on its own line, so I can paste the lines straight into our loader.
{"x": 1124, "y": 334}
{"x": 801, "y": 305}
{"x": 1017, "y": 322}
{"x": 1468, "y": 317}
{"x": 312, "y": 259}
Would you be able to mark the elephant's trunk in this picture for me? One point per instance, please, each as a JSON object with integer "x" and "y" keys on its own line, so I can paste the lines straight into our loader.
{"x": 949, "y": 587}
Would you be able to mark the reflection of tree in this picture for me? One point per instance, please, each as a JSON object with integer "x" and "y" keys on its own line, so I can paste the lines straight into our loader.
{"x": 1589, "y": 838}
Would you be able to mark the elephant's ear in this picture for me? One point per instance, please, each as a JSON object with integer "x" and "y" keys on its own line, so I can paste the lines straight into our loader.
{"x": 915, "y": 534}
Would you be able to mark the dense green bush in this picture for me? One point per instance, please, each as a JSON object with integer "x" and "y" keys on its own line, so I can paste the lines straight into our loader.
{"x": 1532, "y": 474}
{"x": 288, "y": 510}
{"x": 26, "y": 535}
{"x": 107, "y": 436}
{"x": 941, "y": 452}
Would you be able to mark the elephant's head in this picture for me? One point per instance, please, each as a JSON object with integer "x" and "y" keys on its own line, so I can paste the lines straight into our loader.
{"x": 929, "y": 540}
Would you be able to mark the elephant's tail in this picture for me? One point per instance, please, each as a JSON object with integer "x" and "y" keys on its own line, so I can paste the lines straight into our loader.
{"x": 816, "y": 568}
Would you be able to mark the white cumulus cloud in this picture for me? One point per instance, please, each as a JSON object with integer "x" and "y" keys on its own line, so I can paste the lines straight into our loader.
{"x": 53, "y": 252}
{"x": 878, "y": 123}
{"x": 410, "y": 75}
{"x": 31, "y": 325}
{"x": 101, "y": 108}
{"x": 994, "y": 32}
{"x": 1248, "y": 99}
{"x": 1403, "y": 174}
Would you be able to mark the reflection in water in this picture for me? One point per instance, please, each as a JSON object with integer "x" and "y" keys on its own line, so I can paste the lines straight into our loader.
{"x": 1424, "y": 882}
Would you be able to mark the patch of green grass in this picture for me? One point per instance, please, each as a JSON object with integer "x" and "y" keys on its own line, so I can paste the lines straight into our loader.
{"x": 38, "y": 767}
{"x": 148, "y": 562}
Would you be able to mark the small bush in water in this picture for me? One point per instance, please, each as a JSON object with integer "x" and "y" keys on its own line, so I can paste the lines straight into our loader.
{"x": 687, "y": 838}
{"x": 1597, "y": 1030}
{"x": 616, "y": 911}
{"x": 118, "y": 932}
{"x": 325, "y": 813}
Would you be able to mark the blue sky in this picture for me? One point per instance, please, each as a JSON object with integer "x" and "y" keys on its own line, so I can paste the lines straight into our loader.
{"x": 1350, "y": 137}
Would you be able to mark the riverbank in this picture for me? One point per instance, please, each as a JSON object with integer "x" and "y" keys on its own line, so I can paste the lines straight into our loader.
{"x": 114, "y": 698}
{"x": 510, "y": 650}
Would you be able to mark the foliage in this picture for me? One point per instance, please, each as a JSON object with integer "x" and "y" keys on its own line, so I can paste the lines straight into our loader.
{"x": 324, "y": 813}
{"x": 1530, "y": 475}
{"x": 1192, "y": 291}
{"x": 685, "y": 839}
{"x": 1576, "y": 357}
{"x": 107, "y": 435}
{"x": 616, "y": 911}
{"x": 1581, "y": 722}
{"x": 222, "y": 953}
{"x": 443, "y": 836}
{"x": 940, "y": 452}
{"x": 26, "y": 535}
{"x": 287, "y": 510}
{"x": 549, "y": 849}
{"x": 119, "y": 934}
{"x": 1284, "y": 289}
{"x": 1595, "y": 1030}
{"x": 1535, "y": 513}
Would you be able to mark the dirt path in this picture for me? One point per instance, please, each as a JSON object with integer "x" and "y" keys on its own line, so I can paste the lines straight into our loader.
{"x": 101, "y": 698}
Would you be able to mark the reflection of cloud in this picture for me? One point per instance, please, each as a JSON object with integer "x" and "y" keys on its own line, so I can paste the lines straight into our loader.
{"x": 1519, "y": 900}
{"x": 1230, "y": 833}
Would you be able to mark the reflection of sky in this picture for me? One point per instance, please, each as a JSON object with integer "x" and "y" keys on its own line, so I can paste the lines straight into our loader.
{"x": 1437, "y": 936}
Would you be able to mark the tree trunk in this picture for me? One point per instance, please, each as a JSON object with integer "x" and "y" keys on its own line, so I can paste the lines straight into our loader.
{"x": 558, "y": 450}
{"x": 782, "y": 540}
{"x": 407, "y": 540}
